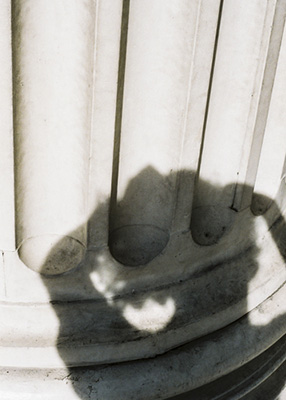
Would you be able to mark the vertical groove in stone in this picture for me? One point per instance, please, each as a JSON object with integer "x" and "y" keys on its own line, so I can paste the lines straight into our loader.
{"x": 233, "y": 106}
{"x": 106, "y": 105}
{"x": 199, "y": 87}
{"x": 119, "y": 111}
{"x": 271, "y": 121}
{"x": 52, "y": 75}
{"x": 274, "y": 28}
{"x": 7, "y": 231}
{"x": 160, "y": 47}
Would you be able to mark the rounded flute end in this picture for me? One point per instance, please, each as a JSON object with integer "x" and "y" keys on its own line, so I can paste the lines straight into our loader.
{"x": 51, "y": 254}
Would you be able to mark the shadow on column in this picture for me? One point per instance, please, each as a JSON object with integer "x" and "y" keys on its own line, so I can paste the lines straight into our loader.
{"x": 112, "y": 322}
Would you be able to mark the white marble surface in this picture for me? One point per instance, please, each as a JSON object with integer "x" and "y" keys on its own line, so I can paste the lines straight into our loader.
{"x": 138, "y": 135}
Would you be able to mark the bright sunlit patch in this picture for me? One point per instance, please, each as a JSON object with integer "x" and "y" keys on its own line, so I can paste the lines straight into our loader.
{"x": 151, "y": 316}
{"x": 103, "y": 284}
{"x": 257, "y": 318}
{"x": 98, "y": 282}
{"x": 105, "y": 278}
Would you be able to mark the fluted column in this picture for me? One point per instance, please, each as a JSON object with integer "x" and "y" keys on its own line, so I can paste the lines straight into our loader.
{"x": 142, "y": 210}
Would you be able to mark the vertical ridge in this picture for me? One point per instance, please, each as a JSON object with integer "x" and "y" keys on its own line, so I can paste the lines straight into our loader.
{"x": 119, "y": 103}
{"x": 193, "y": 136}
{"x": 7, "y": 232}
{"x": 105, "y": 92}
{"x": 243, "y": 194}
{"x": 210, "y": 87}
